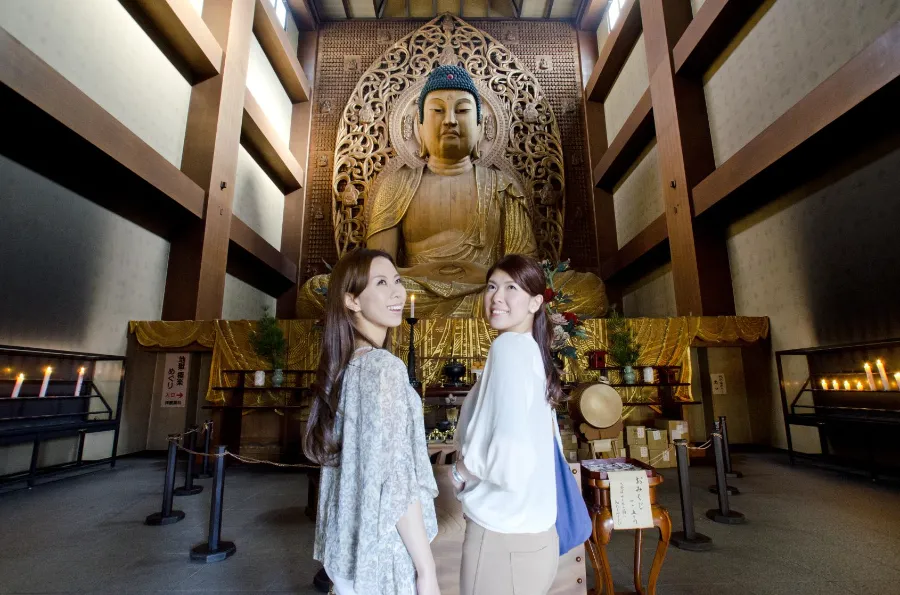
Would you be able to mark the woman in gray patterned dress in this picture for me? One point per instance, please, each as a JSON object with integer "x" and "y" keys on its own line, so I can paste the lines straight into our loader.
{"x": 376, "y": 498}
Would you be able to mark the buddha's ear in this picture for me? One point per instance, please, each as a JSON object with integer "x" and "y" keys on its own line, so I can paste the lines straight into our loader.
{"x": 479, "y": 135}
{"x": 423, "y": 150}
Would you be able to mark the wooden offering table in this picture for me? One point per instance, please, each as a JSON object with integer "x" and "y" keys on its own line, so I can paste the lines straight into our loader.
{"x": 597, "y": 491}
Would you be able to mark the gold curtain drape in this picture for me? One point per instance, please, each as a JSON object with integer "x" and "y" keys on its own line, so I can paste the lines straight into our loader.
{"x": 664, "y": 342}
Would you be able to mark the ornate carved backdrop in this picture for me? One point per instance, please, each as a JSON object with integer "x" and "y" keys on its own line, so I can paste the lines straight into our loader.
{"x": 352, "y": 103}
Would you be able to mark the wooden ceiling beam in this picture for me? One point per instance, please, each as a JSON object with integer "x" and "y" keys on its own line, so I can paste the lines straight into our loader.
{"x": 70, "y": 113}
{"x": 257, "y": 132}
{"x": 281, "y": 53}
{"x": 713, "y": 27}
{"x": 873, "y": 71}
{"x": 590, "y": 14}
{"x": 650, "y": 238}
{"x": 634, "y": 135}
{"x": 257, "y": 262}
{"x": 187, "y": 33}
{"x": 305, "y": 14}
{"x": 615, "y": 52}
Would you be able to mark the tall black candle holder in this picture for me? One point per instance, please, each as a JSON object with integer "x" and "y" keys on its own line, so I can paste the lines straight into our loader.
{"x": 411, "y": 356}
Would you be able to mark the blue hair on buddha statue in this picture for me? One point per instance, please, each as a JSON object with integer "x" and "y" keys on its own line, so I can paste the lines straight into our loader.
{"x": 449, "y": 77}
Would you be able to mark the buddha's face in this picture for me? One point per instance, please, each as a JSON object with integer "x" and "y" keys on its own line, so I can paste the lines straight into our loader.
{"x": 450, "y": 129}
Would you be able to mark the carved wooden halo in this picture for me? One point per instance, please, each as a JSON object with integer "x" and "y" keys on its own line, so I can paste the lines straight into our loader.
{"x": 526, "y": 144}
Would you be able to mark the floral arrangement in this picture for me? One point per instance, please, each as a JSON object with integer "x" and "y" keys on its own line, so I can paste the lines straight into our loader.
{"x": 268, "y": 340}
{"x": 566, "y": 325}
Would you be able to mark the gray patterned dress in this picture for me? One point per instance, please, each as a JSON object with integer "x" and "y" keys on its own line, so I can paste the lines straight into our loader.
{"x": 384, "y": 467}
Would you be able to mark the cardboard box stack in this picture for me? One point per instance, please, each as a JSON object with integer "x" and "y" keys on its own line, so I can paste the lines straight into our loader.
{"x": 636, "y": 439}
{"x": 662, "y": 448}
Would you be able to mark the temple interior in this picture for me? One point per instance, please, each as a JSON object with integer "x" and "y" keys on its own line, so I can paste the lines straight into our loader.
{"x": 712, "y": 188}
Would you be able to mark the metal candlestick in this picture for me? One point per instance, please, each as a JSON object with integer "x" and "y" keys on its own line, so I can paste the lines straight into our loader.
{"x": 411, "y": 355}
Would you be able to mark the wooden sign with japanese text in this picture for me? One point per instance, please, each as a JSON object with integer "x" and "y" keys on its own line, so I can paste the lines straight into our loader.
{"x": 175, "y": 380}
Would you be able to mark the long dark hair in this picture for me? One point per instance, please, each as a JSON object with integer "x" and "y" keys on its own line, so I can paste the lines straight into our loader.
{"x": 528, "y": 274}
{"x": 350, "y": 275}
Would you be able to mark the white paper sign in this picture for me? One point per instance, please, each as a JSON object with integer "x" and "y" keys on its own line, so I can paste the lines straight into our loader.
{"x": 656, "y": 435}
{"x": 629, "y": 494}
{"x": 175, "y": 380}
{"x": 639, "y": 431}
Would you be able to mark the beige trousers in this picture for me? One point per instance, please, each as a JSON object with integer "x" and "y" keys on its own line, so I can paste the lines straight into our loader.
{"x": 507, "y": 563}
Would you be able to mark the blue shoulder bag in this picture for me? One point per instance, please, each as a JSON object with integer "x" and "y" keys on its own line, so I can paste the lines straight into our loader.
{"x": 573, "y": 523}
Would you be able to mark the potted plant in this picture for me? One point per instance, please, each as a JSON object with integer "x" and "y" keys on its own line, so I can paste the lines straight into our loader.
{"x": 269, "y": 344}
{"x": 621, "y": 344}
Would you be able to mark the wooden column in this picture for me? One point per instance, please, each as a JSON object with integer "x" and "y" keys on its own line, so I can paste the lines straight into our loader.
{"x": 699, "y": 259}
{"x": 293, "y": 223}
{"x": 595, "y": 134}
{"x": 195, "y": 283}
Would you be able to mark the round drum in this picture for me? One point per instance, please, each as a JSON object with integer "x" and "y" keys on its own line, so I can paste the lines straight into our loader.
{"x": 598, "y": 405}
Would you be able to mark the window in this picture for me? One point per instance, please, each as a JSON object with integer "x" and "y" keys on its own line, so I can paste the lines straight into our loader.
{"x": 281, "y": 13}
{"x": 614, "y": 9}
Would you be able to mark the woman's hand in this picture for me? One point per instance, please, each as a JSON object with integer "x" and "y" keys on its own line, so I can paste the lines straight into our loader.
{"x": 458, "y": 486}
{"x": 427, "y": 584}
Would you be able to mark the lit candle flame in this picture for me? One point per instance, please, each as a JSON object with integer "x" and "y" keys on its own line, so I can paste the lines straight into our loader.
{"x": 835, "y": 385}
{"x": 824, "y": 384}
{"x": 859, "y": 385}
{"x": 846, "y": 385}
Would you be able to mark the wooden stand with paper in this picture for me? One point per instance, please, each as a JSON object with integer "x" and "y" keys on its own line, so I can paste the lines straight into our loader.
{"x": 623, "y": 501}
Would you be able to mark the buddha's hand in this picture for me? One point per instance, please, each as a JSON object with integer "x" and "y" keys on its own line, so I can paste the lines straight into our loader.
{"x": 458, "y": 271}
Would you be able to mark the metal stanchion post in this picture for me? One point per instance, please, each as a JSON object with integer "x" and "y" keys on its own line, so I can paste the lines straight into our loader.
{"x": 189, "y": 489}
{"x": 724, "y": 514}
{"x": 714, "y": 488}
{"x": 215, "y": 550}
{"x": 204, "y": 472}
{"x": 688, "y": 539}
{"x": 167, "y": 516}
{"x": 723, "y": 429}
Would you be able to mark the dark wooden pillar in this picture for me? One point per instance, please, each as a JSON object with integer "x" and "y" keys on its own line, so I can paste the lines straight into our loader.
{"x": 699, "y": 259}
{"x": 195, "y": 283}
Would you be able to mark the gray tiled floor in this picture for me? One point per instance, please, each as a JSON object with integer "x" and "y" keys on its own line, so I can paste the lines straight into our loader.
{"x": 810, "y": 531}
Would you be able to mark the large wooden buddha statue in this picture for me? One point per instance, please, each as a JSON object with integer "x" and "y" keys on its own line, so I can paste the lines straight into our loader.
{"x": 447, "y": 221}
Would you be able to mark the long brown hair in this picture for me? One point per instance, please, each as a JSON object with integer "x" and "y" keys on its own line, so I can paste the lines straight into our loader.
{"x": 350, "y": 275}
{"x": 528, "y": 274}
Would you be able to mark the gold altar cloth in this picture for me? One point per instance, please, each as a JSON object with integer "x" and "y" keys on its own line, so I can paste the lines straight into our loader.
{"x": 664, "y": 341}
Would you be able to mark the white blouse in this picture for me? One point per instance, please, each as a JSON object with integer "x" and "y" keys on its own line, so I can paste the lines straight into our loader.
{"x": 505, "y": 431}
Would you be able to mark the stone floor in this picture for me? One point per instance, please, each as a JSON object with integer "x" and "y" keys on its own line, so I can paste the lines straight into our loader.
{"x": 809, "y": 531}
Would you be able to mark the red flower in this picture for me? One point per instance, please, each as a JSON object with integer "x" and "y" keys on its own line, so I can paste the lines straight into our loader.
{"x": 549, "y": 294}
{"x": 570, "y": 317}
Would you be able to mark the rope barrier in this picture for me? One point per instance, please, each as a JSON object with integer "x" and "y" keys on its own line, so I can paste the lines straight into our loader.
{"x": 244, "y": 459}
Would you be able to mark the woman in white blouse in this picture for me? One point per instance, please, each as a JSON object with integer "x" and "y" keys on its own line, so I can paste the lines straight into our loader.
{"x": 376, "y": 514}
{"x": 506, "y": 474}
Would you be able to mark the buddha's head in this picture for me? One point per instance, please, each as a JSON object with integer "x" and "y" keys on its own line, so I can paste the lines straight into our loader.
{"x": 449, "y": 115}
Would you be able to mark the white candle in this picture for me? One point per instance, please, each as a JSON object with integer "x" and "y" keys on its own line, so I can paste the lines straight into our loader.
{"x": 80, "y": 379}
{"x": 859, "y": 385}
{"x": 412, "y": 306}
{"x": 824, "y": 384}
{"x": 884, "y": 379}
{"x": 846, "y": 385}
{"x": 46, "y": 382}
{"x": 19, "y": 380}
{"x": 897, "y": 379}
{"x": 835, "y": 384}
{"x": 869, "y": 376}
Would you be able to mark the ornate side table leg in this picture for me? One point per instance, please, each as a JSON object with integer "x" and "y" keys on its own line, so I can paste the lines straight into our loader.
{"x": 638, "y": 539}
{"x": 660, "y": 519}
{"x": 603, "y": 528}
{"x": 594, "y": 557}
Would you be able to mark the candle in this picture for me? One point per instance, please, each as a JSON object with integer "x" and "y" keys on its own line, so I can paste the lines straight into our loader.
{"x": 846, "y": 385}
{"x": 824, "y": 384}
{"x": 46, "y": 382}
{"x": 412, "y": 306}
{"x": 897, "y": 379}
{"x": 859, "y": 385}
{"x": 835, "y": 384}
{"x": 884, "y": 379}
{"x": 869, "y": 376}
{"x": 19, "y": 380}
{"x": 80, "y": 379}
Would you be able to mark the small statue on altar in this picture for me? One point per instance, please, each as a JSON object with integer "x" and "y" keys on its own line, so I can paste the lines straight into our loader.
{"x": 447, "y": 221}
